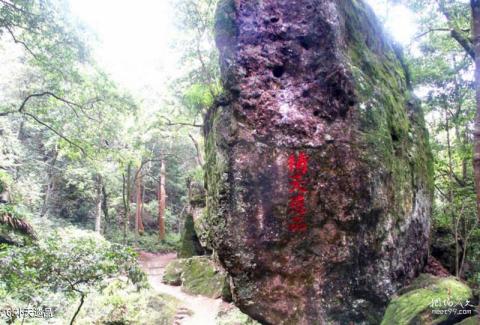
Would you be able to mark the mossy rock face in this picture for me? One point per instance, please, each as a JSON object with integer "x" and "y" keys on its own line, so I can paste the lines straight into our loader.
{"x": 190, "y": 246}
{"x": 318, "y": 167}
{"x": 200, "y": 277}
{"x": 173, "y": 272}
{"x": 427, "y": 301}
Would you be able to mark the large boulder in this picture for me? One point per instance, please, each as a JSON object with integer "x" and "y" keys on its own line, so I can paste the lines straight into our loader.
{"x": 318, "y": 167}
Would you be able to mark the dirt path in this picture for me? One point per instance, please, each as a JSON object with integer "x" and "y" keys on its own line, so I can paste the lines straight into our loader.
{"x": 203, "y": 310}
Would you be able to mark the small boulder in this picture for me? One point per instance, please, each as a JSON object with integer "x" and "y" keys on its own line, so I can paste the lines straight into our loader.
{"x": 429, "y": 300}
{"x": 197, "y": 275}
{"x": 173, "y": 272}
{"x": 200, "y": 277}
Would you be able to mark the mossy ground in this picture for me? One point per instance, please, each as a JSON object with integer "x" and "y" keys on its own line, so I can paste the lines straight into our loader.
{"x": 415, "y": 305}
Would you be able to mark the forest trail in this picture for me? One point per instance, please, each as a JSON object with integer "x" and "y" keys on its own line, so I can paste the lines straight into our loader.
{"x": 195, "y": 309}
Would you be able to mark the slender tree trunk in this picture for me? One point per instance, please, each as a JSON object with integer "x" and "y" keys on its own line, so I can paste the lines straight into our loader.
{"x": 105, "y": 208}
{"x": 50, "y": 184}
{"x": 199, "y": 157}
{"x": 454, "y": 217}
{"x": 126, "y": 201}
{"x": 475, "y": 4}
{"x": 138, "y": 212}
{"x": 141, "y": 229}
{"x": 82, "y": 300}
{"x": 161, "y": 201}
{"x": 98, "y": 214}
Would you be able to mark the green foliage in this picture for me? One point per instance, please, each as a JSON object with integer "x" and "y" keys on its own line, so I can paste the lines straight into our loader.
{"x": 198, "y": 97}
{"x": 120, "y": 303}
{"x": 69, "y": 261}
{"x": 442, "y": 72}
{"x": 5, "y": 181}
{"x": 148, "y": 242}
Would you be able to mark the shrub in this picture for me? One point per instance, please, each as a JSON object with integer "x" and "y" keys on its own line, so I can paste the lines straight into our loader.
{"x": 70, "y": 261}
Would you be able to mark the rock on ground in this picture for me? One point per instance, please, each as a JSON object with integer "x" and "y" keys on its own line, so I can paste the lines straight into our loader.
{"x": 430, "y": 300}
{"x": 318, "y": 168}
{"x": 197, "y": 275}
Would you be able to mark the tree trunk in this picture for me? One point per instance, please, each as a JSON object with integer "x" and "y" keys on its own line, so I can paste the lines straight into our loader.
{"x": 199, "y": 157}
{"x": 126, "y": 201}
{"x": 50, "y": 185}
{"x": 105, "y": 208}
{"x": 98, "y": 214}
{"x": 161, "y": 202}
{"x": 141, "y": 229}
{"x": 82, "y": 300}
{"x": 475, "y": 4}
{"x": 139, "y": 201}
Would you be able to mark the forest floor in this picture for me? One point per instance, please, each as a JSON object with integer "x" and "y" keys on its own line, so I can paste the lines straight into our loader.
{"x": 195, "y": 309}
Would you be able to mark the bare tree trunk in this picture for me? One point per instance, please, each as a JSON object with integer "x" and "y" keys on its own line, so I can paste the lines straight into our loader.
{"x": 161, "y": 201}
{"x": 199, "y": 157}
{"x": 141, "y": 229}
{"x": 138, "y": 212}
{"x": 82, "y": 300}
{"x": 98, "y": 214}
{"x": 50, "y": 184}
{"x": 105, "y": 208}
{"x": 475, "y": 4}
{"x": 455, "y": 219}
{"x": 126, "y": 201}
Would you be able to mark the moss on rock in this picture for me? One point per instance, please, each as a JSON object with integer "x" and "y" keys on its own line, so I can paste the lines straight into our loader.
{"x": 197, "y": 275}
{"x": 190, "y": 243}
{"x": 233, "y": 316}
{"x": 200, "y": 277}
{"x": 173, "y": 272}
{"x": 425, "y": 294}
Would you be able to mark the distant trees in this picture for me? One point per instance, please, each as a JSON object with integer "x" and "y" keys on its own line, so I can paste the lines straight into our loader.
{"x": 443, "y": 71}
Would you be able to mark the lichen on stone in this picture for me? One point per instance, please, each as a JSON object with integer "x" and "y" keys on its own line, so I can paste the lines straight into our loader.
{"x": 173, "y": 272}
{"x": 417, "y": 303}
{"x": 197, "y": 275}
{"x": 200, "y": 277}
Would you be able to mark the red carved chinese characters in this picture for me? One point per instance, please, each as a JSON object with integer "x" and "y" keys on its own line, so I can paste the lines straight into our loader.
{"x": 297, "y": 167}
